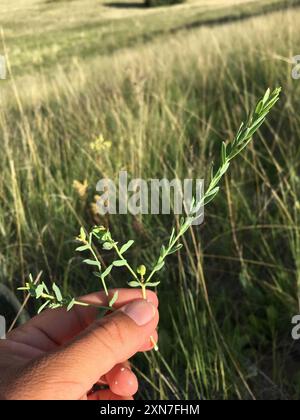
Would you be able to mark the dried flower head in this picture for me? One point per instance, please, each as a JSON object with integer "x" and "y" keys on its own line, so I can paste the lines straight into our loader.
{"x": 81, "y": 188}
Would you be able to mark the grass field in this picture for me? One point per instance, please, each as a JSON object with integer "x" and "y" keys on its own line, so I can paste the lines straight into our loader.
{"x": 164, "y": 87}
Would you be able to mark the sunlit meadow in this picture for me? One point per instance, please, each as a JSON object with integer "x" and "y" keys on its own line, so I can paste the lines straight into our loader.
{"x": 93, "y": 94}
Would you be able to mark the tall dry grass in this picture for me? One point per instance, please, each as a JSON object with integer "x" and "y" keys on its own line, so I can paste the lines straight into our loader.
{"x": 164, "y": 108}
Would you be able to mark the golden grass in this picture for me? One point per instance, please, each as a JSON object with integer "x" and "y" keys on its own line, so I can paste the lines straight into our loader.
{"x": 165, "y": 107}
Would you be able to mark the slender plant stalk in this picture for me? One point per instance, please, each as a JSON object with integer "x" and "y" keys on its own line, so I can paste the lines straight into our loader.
{"x": 228, "y": 153}
{"x": 103, "y": 236}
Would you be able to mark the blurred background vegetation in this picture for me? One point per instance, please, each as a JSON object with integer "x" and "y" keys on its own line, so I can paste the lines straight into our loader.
{"x": 96, "y": 87}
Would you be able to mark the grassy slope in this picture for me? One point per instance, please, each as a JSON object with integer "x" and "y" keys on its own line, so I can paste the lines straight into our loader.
{"x": 165, "y": 107}
{"x": 60, "y": 30}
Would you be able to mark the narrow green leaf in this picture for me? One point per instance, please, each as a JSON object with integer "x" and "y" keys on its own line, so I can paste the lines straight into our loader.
{"x": 238, "y": 135}
{"x": 126, "y": 246}
{"x": 71, "y": 304}
{"x": 159, "y": 266}
{"x": 45, "y": 287}
{"x": 55, "y": 305}
{"x": 162, "y": 251}
{"x": 187, "y": 224}
{"x": 113, "y": 299}
{"x": 191, "y": 210}
{"x": 151, "y": 284}
{"x": 211, "y": 195}
{"x": 39, "y": 291}
{"x": 266, "y": 96}
{"x": 82, "y": 248}
{"x": 57, "y": 292}
{"x": 82, "y": 234}
{"x": 259, "y": 107}
{"x": 224, "y": 168}
{"x": 106, "y": 236}
{"x": 172, "y": 236}
{"x": 212, "y": 192}
{"x": 106, "y": 272}
{"x": 97, "y": 274}
{"x": 120, "y": 263}
{"x": 134, "y": 283}
{"x": 197, "y": 207}
{"x": 91, "y": 262}
{"x": 256, "y": 123}
{"x": 43, "y": 306}
{"x": 175, "y": 249}
{"x": 97, "y": 230}
{"x": 255, "y": 127}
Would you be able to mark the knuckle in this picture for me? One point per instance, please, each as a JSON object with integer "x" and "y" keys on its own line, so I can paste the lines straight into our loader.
{"x": 110, "y": 335}
{"x": 114, "y": 331}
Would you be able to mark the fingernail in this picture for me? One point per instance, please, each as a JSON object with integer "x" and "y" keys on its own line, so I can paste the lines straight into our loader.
{"x": 140, "y": 311}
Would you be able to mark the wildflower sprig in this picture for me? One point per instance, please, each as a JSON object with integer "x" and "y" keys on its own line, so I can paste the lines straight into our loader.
{"x": 240, "y": 141}
{"x": 86, "y": 241}
{"x": 228, "y": 152}
{"x": 103, "y": 236}
{"x": 107, "y": 243}
{"x": 54, "y": 298}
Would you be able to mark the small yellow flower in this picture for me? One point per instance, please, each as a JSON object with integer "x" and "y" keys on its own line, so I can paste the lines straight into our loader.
{"x": 80, "y": 188}
{"x": 82, "y": 236}
{"x": 100, "y": 144}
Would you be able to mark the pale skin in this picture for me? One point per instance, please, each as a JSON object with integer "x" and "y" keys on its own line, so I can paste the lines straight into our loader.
{"x": 63, "y": 355}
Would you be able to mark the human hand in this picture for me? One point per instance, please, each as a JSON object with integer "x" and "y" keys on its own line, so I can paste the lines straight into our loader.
{"x": 62, "y": 355}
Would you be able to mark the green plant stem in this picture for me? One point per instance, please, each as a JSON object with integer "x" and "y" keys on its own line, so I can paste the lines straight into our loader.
{"x": 99, "y": 267}
{"x": 77, "y": 302}
{"x": 175, "y": 240}
{"x": 122, "y": 258}
{"x": 144, "y": 294}
{"x": 143, "y": 285}
{"x": 49, "y": 297}
{"x": 228, "y": 152}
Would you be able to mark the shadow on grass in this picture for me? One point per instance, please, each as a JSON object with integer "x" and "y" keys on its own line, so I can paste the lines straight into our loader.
{"x": 125, "y": 5}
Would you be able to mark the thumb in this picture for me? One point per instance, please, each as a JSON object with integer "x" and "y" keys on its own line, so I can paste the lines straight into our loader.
{"x": 105, "y": 343}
